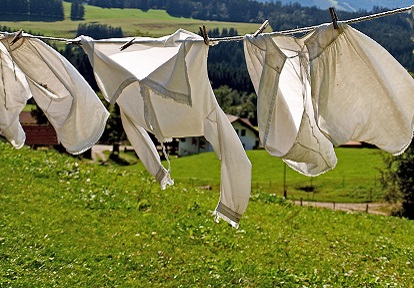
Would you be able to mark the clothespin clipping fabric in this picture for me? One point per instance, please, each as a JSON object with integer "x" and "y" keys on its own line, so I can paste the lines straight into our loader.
{"x": 261, "y": 29}
{"x": 16, "y": 37}
{"x": 126, "y": 45}
{"x": 203, "y": 32}
{"x": 334, "y": 17}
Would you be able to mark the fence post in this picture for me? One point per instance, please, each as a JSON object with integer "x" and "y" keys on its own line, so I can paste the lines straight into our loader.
{"x": 284, "y": 181}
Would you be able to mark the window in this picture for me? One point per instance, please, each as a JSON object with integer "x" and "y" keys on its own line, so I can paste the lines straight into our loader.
{"x": 237, "y": 131}
{"x": 243, "y": 132}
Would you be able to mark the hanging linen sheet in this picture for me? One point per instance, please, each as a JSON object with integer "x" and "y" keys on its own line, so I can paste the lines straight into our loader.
{"x": 279, "y": 69}
{"x": 161, "y": 86}
{"x": 327, "y": 88}
{"x": 14, "y": 93}
{"x": 359, "y": 91}
{"x": 69, "y": 103}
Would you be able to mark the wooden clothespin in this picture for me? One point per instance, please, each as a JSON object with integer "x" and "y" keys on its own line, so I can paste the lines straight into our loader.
{"x": 73, "y": 42}
{"x": 334, "y": 17}
{"x": 203, "y": 32}
{"x": 16, "y": 37}
{"x": 126, "y": 45}
{"x": 261, "y": 29}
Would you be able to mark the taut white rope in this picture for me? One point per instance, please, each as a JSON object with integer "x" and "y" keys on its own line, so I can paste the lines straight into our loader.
{"x": 214, "y": 41}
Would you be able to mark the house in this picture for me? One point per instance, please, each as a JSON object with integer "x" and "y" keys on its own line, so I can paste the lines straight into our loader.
{"x": 37, "y": 135}
{"x": 248, "y": 134}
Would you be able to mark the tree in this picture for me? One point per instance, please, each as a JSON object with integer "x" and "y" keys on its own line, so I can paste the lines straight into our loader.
{"x": 398, "y": 181}
{"x": 99, "y": 31}
{"x": 77, "y": 10}
{"x": 144, "y": 5}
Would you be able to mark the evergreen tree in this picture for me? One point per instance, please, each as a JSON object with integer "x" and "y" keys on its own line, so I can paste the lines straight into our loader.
{"x": 77, "y": 10}
{"x": 398, "y": 181}
{"x": 144, "y": 5}
{"x": 99, "y": 31}
{"x": 45, "y": 9}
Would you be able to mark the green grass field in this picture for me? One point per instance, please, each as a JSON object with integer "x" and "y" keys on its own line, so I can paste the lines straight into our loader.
{"x": 132, "y": 21}
{"x": 355, "y": 178}
{"x": 66, "y": 222}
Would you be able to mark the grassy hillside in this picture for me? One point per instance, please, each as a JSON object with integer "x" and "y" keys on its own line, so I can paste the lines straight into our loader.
{"x": 132, "y": 21}
{"x": 70, "y": 223}
{"x": 355, "y": 179}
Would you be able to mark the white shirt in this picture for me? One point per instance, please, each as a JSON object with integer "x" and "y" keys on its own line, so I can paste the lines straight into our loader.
{"x": 359, "y": 91}
{"x": 69, "y": 103}
{"x": 327, "y": 88}
{"x": 279, "y": 69}
{"x": 161, "y": 86}
{"x": 14, "y": 93}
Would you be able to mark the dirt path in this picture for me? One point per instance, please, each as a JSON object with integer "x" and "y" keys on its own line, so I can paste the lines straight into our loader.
{"x": 97, "y": 152}
{"x": 373, "y": 208}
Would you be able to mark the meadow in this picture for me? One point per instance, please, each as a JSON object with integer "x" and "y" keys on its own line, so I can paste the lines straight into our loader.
{"x": 69, "y": 222}
{"x": 132, "y": 21}
{"x": 356, "y": 178}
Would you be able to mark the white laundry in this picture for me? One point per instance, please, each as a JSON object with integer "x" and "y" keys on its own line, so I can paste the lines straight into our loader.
{"x": 359, "y": 91}
{"x": 161, "y": 86}
{"x": 14, "y": 93}
{"x": 279, "y": 69}
{"x": 69, "y": 103}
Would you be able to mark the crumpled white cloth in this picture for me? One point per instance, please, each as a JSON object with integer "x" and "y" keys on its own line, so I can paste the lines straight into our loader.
{"x": 279, "y": 69}
{"x": 359, "y": 91}
{"x": 14, "y": 93}
{"x": 161, "y": 86}
{"x": 327, "y": 88}
{"x": 69, "y": 103}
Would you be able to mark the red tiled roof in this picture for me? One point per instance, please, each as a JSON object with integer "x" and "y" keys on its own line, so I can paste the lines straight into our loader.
{"x": 243, "y": 121}
{"x": 27, "y": 118}
{"x": 40, "y": 135}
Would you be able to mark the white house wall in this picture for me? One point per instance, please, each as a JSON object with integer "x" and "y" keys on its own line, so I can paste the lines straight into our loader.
{"x": 246, "y": 135}
{"x": 193, "y": 145}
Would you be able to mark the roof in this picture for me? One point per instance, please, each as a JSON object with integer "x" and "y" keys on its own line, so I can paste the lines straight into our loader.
{"x": 243, "y": 121}
{"x": 27, "y": 118}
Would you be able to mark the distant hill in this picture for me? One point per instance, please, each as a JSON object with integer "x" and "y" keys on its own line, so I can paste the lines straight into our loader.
{"x": 349, "y": 5}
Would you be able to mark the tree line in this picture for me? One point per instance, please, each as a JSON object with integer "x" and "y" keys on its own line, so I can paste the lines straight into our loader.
{"x": 393, "y": 32}
{"x": 31, "y": 10}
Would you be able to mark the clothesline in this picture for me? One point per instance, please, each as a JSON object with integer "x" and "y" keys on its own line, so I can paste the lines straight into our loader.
{"x": 213, "y": 41}
{"x": 310, "y": 28}
{"x": 301, "y": 113}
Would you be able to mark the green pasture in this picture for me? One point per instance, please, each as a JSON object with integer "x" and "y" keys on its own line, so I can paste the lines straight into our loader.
{"x": 68, "y": 222}
{"x": 354, "y": 179}
{"x": 132, "y": 21}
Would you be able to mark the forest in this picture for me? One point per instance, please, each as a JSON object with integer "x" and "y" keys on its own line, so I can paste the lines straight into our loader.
{"x": 31, "y": 10}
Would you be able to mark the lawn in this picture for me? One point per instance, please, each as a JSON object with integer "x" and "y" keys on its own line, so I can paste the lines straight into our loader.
{"x": 67, "y": 222}
{"x": 132, "y": 21}
{"x": 354, "y": 179}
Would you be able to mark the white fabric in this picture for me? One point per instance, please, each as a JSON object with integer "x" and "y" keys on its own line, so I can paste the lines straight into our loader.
{"x": 162, "y": 87}
{"x": 14, "y": 93}
{"x": 278, "y": 67}
{"x": 67, "y": 100}
{"x": 360, "y": 92}
{"x": 146, "y": 150}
